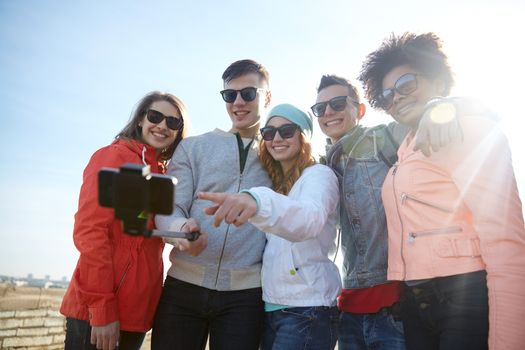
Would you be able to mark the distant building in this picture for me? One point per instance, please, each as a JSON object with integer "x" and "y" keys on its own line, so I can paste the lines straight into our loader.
{"x": 30, "y": 281}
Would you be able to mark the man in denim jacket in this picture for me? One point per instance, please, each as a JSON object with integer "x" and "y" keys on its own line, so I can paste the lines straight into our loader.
{"x": 361, "y": 157}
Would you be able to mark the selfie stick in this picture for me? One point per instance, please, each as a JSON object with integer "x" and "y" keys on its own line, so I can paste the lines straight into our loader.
{"x": 190, "y": 236}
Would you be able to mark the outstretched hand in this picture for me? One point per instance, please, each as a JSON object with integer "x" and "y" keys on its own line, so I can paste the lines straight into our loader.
{"x": 233, "y": 208}
{"x": 438, "y": 127}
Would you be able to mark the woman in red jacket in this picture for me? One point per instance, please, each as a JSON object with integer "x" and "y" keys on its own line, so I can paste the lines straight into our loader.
{"x": 118, "y": 278}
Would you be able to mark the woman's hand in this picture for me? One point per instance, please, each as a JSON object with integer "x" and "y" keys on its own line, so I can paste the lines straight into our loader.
{"x": 105, "y": 337}
{"x": 233, "y": 208}
{"x": 438, "y": 127}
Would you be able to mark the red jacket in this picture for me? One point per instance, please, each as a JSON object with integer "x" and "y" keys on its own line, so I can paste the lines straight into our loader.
{"x": 118, "y": 276}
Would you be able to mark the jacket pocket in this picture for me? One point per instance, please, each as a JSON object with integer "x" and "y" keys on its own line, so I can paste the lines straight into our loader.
{"x": 407, "y": 197}
{"x": 458, "y": 247}
{"x": 412, "y": 236}
{"x": 122, "y": 262}
{"x": 123, "y": 276}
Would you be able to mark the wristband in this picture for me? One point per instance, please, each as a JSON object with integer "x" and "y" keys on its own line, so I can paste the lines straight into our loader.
{"x": 254, "y": 196}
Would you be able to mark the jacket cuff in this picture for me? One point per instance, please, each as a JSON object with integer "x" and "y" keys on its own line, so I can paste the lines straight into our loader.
{"x": 254, "y": 196}
{"x": 101, "y": 316}
{"x": 177, "y": 224}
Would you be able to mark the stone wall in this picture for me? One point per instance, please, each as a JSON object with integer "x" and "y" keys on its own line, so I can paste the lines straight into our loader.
{"x": 29, "y": 318}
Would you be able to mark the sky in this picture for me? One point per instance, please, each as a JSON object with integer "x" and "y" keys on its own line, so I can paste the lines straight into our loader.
{"x": 72, "y": 71}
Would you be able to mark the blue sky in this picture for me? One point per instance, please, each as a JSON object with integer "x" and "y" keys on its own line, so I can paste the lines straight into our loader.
{"x": 71, "y": 72}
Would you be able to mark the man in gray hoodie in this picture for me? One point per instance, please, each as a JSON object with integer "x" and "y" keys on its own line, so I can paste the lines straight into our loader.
{"x": 217, "y": 292}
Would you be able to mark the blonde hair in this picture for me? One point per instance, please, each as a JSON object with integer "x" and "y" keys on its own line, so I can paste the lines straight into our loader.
{"x": 283, "y": 182}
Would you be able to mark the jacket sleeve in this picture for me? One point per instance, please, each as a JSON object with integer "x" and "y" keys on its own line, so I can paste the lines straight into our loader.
{"x": 180, "y": 167}
{"x": 304, "y": 216}
{"x": 94, "y": 274}
{"x": 482, "y": 169}
{"x": 398, "y": 131}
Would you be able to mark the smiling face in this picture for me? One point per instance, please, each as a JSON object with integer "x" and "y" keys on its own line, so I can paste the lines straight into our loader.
{"x": 245, "y": 115}
{"x": 408, "y": 109}
{"x": 335, "y": 124}
{"x": 159, "y": 136}
{"x": 283, "y": 150}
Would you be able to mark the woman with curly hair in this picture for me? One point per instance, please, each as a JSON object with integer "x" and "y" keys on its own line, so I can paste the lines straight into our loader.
{"x": 300, "y": 283}
{"x": 455, "y": 223}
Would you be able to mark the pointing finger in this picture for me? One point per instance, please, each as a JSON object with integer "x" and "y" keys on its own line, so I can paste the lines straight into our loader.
{"x": 217, "y": 198}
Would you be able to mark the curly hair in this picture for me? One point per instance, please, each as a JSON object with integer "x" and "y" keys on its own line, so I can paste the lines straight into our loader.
{"x": 283, "y": 182}
{"x": 421, "y": 52}
{"x": 133, "y": 130}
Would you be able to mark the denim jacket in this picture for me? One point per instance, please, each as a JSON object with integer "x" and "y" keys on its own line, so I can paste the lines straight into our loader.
{"x": 361, "y": 160}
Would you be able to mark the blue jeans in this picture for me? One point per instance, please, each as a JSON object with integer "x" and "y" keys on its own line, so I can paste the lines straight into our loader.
{"x": 371, "y": 331}
{"x": 187, "y": 313}
{"x": 447, "y": 313}
{"x": 301, "y": 328}
{"x": 78, "y": 337}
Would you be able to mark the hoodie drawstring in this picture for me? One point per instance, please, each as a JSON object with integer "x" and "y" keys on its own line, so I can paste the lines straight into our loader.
{"x": 144, "y": 155}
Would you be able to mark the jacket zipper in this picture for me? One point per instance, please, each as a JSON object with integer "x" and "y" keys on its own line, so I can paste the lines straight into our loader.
{"x": 128, "y": 266}
{"x": 405, "y": 196}
{"x": 224, "y": 241}
{"x": 394, "y": 171}
{"x": 241, "y": 172}
{"x": 439, "y": 231}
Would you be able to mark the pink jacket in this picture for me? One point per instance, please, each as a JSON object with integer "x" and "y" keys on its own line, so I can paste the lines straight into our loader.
{"x": 458, "y": 211}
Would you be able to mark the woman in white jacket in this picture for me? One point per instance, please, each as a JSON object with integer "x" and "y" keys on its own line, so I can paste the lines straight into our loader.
{"x": 300, "y": 283}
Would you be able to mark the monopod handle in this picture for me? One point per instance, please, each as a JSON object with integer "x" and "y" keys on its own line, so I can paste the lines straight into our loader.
{"x": 190, "y": 236}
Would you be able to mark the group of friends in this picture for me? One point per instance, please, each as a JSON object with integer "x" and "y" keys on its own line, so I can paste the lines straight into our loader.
{"x": 431, "y": 226}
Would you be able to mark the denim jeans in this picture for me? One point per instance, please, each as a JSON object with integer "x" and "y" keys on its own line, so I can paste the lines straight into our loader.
{"x": 78, "y": 337}
{"x": 301, "y": 328}
{"x": 371, "y": 331}
{"x": 447, "y": 313}
{"x": 187, "y": 313}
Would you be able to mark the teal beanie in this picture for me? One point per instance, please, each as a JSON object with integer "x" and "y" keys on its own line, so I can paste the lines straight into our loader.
{"x": 293, "y": 114}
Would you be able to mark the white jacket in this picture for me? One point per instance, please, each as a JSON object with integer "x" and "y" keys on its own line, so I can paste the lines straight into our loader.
{"x": 301, "y": 232}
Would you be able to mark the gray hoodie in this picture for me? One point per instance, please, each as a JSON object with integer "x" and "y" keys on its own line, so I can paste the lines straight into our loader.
{"x": 211, "y": 163}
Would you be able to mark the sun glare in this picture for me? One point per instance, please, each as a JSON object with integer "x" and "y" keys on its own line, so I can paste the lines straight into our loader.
{"x": 491, "y": 70}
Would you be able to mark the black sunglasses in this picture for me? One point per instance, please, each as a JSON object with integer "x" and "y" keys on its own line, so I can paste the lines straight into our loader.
{"x": 337, "y": 104}
{"x": 405, "y": 85}
{"x": 156, "y": 117}
{"x": 248, "y": 94}
{"x": 286, "y": 131}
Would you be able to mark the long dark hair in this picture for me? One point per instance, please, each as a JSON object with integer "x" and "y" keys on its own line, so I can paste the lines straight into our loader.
{"x": 133, "y": 130}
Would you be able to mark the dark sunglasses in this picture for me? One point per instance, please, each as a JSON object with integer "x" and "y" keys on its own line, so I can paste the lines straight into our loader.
{"x": 286, "y": 131}
{"x": 248, "y": 94}
{"x": 338, "y": 104}
{"x": 405, "y": 85}
{"x": 156, "y": 117}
